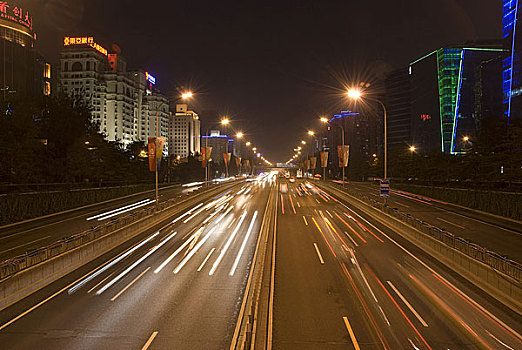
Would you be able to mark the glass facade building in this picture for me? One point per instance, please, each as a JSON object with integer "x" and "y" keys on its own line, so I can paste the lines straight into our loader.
{"x": 512, "y": 63}
{"x": 455, "y": 71}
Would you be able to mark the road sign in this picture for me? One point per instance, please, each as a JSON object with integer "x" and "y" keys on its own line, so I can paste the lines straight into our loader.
{"x": 385, "y": 188}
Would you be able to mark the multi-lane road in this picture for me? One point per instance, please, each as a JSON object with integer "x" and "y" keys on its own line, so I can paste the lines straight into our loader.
{"x": 21, "y": 237}
{"x": 342, "y": 280}
{"x": 177, "y": 286}
{"x": 493, "y": 232}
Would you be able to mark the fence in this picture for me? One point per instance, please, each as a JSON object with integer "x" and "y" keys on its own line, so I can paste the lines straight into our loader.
{"x": 500, "y": 263}
{"x": 16, "y": 264}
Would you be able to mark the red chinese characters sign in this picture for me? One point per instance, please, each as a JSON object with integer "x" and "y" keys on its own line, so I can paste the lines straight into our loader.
{"x": 17, "y": 14}
{"x": 84, "y": 40}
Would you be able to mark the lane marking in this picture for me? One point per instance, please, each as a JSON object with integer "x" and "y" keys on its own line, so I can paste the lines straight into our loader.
{"x": 327, "y": 212}
{"x": 317, "y": 201}
{"x": 324, "y": 237}
{"x": 21, "y": 245}
{"x": 227, "y": 245}
{"x": 350, "y": 331}
{"x": 151, "y": 338}
{"x": 451, "y": 223}
{"x": 298, "y": 205}
{"x": 130, "y": 284}
{"x": 193, "y": 251}
{"x": 306, "y": 222}
{"x": 318, "y": 253}
{"x": 236, "y": 262}
{"x": 164, "y": 263}
{"x": 510, "y": 330}
{"x": 206, "y": 259}
{"x": 127, "y": 270}
{"x": 103, "y": 280}
{"x": 402, "y": 205}
{"x": 421, "y": 320}
{"x": 231, "y": 223}
{"x": 398, "y": 307}
{"x": 102, "y": 268}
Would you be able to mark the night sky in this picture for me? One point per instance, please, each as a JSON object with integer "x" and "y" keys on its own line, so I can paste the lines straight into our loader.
{"x": 272, "y": 66}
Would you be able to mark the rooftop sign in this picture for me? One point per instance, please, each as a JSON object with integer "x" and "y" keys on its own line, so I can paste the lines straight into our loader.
{"x": 83, "y": 40}
{"x": 150, "y": 78}
{"x": 16, "y": 14}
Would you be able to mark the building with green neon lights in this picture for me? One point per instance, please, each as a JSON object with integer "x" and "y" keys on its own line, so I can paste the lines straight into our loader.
{"x": 447, "y": 95}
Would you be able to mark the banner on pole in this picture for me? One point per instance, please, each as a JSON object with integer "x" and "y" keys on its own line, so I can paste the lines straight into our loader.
{"x": 324, "y": 159}
{"x": 313, "y": 162}
{"x": 238, "y": 162}
{"x": 152, "y": 153}
{"x": 343, "y": 153}
{"x": 160, "y": 144}
{"x": 307, "y": 164}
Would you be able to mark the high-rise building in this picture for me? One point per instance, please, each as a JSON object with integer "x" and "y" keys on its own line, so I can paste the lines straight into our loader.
{"x": 124, "y": 104}
{"x": 23, "y": 70}
{"x": 398, "y": 104}
{"x": 444, "y": 98}
{"x": 184, "y": 132}
{"x": 219, "y": 144}
{"x": 512, "y": 63}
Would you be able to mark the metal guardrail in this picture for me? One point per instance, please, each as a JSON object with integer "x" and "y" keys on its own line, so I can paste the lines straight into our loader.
{"x": 31, "y": 258}
{"x": 496, "y": 261}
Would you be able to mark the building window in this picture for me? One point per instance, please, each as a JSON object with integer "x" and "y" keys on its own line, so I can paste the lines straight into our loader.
{"x": 47, "y": 71}
{"x": 76, "y": 67}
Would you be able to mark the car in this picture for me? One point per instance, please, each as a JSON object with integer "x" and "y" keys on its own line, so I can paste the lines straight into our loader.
{"x": 283, "y": 188}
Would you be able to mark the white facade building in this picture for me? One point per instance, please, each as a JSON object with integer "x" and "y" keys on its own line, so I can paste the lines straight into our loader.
{"x": 124, "y": 104}
{"x": 184, "y": 133}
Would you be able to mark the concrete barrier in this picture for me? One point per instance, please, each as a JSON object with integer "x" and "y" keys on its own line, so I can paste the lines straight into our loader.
{"x": 502, "y": 287}
{"x": 27, "y": 281}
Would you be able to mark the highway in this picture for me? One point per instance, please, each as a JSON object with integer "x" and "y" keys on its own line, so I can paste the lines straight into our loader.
{"x": 495, "y": 233}
{"x": 16, "y": 239}
{"x": 177, "y": 286}
{"x": 344, "y": 281}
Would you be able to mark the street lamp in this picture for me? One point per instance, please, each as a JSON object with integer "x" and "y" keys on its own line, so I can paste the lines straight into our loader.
{"x": 248, "y": 144}
{"x": 465, "y": 138}
{"x": 356, "y": 94}
{"x": 303, "y": 142}
{"x": 186, "y": 95}
{"x": 412, "y": 149}
{"x": 311, "y": 132}
{"x": 239, "y": 135}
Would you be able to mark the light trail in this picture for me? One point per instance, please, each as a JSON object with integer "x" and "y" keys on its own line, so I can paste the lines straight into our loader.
{"x": 227, "y": 245}
{"x": 112, "y": 263}
{"x": 187, "y": 213}
{"x": 193, "y": 251}
{"x": 118, "y": 209}
{"x": 236, "y": 262}
{"x": 127, "y": 270}
{"x": 173, "y": 255}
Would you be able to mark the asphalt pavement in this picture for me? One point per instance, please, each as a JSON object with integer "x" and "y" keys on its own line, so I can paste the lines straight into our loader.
{"x": 342, "y": 280}
{"x": 178, "y": 286}
{"x": 500, "y": 235}
{"x": 18, "y": 238}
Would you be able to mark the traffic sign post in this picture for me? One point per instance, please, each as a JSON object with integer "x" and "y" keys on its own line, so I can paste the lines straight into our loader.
{"x": 385, "y": 189}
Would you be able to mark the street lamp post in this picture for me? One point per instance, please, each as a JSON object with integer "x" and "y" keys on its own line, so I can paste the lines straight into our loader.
{"x": 355, "y": 94}
{"x": 224, "y": 121}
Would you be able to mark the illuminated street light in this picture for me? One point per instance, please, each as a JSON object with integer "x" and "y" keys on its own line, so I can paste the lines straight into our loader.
{"x": 412, "y": 148}
{"x": 311, "y": 132}
{"x": 225, "y": 121}
{"x": 248, "y": 143}
{"x": 303, "y": 142}
{"x": 239, "y": 135}
{"x": 354, "y": 94}
{"x": 299, "y": 148}
{"x": 254, "y": 149}
{"x": 465, "y": 138}
{"x": 186, "y": 95}
{"x": 323, "y": 120}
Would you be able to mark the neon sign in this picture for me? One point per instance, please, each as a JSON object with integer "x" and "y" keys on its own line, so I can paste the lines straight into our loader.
{"x": 83, "y": 40}
{"x": 150, "y": 78}
{"x": 16, "y": 14}
{"x": 425, "y": 117}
